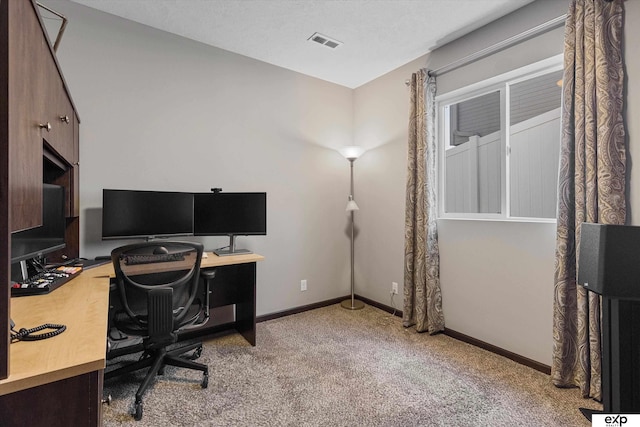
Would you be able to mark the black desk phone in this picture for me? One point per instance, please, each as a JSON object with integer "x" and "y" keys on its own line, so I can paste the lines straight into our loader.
{"x": 28, "y": 334}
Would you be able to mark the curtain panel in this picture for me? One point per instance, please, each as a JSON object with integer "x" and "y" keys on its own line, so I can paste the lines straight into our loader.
{"x": 422, "y": 296}
{"x": 592, "y": 180}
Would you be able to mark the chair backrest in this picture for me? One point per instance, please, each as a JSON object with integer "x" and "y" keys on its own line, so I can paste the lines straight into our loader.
{"x": 158, "y": 267}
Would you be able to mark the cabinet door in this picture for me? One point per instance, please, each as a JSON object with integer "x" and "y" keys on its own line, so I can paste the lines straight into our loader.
{"x": 59, "y": 113}
{"x": 27, "y": 55}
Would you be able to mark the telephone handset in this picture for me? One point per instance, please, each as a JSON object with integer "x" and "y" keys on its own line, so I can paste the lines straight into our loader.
{"x": 28, "y": 334}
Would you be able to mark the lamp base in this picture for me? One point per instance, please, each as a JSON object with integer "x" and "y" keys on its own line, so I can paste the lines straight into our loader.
{"x": 357, "y": 304}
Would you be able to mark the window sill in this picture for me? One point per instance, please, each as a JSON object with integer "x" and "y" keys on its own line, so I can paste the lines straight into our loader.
{"x": 499, "y": 219}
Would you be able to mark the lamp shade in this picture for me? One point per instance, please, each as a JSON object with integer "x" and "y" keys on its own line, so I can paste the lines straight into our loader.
{"x": 351, "y": 205}
{"x": 352, "y": 152}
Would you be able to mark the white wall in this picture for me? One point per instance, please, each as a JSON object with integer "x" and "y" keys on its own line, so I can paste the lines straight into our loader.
{"x": 380, "y": 125}
{"x": 160, "y": 112}
{"x": 496, "y": 277}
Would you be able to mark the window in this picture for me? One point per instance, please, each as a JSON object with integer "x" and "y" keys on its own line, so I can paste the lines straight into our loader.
{"x": 499, "y": 144}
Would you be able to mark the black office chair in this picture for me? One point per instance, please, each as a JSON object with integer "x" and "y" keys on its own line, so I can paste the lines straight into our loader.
{"x": 157, "y": 284}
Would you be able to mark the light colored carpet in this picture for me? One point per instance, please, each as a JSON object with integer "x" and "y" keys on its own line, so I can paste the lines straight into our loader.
{"x": 335, "y": 367}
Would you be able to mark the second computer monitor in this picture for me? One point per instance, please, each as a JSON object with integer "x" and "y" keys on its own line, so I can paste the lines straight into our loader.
{"x": 230, "y": 214}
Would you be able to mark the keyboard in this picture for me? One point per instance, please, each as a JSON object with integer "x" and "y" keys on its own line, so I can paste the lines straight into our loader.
{"x": 45, "y": 281}
{"x": 150, "y": 258}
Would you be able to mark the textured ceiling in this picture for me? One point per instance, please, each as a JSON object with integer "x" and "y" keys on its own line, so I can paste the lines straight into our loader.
{"x": 377, "y": 35}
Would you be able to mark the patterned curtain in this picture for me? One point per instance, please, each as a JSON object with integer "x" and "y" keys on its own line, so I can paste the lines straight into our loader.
{"x": 422, "y": 297}
{"x": 591, "y": 180}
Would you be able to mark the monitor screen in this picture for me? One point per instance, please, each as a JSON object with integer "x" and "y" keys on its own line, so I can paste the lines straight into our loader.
{"x": 220, "y": 214}
{"x": 133, "y": 214}
{"x": 50, "y": 235}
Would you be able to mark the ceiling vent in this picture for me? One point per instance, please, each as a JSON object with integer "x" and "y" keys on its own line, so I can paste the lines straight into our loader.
{"x": 324, "y": 40}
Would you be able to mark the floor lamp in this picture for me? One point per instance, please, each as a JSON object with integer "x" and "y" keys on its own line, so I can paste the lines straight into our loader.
{"x": 352, "y": 153}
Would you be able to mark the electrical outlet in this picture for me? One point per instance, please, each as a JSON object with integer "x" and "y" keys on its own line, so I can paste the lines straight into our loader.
{"x": 303, "y": 285}
{"x": 394, "y": 288}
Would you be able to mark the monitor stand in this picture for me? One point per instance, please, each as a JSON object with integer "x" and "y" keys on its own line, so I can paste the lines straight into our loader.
{"x": 232, "y": 248}
{"x": 24, "y": 270}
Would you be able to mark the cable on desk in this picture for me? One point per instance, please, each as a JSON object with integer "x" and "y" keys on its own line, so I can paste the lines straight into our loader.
{"x": 27, "y": 334}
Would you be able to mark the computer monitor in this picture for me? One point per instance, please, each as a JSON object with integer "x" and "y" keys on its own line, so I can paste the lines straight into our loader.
{"x": 137, "y": 214}
{"x": 230, "y": 214}
{"x": 50, "y": 236}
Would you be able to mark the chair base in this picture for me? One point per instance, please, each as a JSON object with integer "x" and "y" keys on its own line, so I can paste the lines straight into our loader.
{"x": 156, "y": 360}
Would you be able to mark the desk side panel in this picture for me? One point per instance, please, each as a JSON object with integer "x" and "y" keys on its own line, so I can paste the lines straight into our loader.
{"x": 69, "y": 402}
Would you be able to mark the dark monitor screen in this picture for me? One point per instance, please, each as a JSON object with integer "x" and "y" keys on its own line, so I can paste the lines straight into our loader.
{"x": 220, "y": 214}
{"x": 50, "y": 235}
{"x": 146, "y": 214}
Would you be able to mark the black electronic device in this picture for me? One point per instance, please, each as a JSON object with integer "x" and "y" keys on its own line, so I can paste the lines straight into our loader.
{"x": 137, "y": 214}
{"x": 45, "y": 281}
{"x": 609, "y": 260}
{"x": 230, "y": 214}
{"x": 50, "y": 236}
{"x": 608, "y": 265}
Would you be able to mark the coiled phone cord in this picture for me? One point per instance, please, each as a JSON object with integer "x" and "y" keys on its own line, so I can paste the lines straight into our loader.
{"x": 27, "y": 334}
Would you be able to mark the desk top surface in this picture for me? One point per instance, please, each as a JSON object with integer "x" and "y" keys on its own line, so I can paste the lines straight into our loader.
{"x": 213, "y": 260}
{"x": 82, "y": 305}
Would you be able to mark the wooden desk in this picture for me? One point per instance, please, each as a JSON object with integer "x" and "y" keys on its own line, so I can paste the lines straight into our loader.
{"x": 58, "y": 381}
{"x": 55, "y": 381}
{"x": 234, "y": 284}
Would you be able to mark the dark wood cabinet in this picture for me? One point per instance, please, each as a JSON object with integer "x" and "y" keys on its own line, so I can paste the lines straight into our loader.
{"x": 39, "y": 140}
{"x": 27, "y": 51}
{"x": 54, "y": 408}
{"x": 42, "y": 118}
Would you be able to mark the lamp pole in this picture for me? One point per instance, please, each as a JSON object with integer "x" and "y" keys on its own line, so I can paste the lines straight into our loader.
{"x": 353, "y": 303}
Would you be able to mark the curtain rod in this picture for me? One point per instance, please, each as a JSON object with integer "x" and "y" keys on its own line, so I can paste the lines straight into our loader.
{"x": 500, "y": 46}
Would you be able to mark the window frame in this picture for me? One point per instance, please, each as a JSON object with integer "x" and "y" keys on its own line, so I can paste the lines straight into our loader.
{"x": 500, "y": 83}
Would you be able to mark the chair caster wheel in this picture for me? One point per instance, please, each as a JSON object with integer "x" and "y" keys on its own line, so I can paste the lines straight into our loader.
{"x": 205, "y": 381}
{"x": 197, "y": 353}
{"x": 138, "y": 414}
